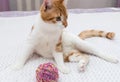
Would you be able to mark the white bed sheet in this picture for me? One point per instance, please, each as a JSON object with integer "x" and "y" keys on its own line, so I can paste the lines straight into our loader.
{"x": 14, "y": 30}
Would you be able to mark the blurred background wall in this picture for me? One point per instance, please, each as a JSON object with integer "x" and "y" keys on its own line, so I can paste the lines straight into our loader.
{"x": 91, "y": 3}
{"x": 14, "y": 5}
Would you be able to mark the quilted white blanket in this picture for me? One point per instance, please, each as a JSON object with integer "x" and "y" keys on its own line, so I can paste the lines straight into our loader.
{"x": 14, "y": 30}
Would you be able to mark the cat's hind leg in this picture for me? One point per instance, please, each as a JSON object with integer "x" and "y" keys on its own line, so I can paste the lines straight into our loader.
{"x": 83, "y": 62}
{"x": 74, "y": 56}
{"x": 85, "y": 47}
{"x": 81, "y": 58}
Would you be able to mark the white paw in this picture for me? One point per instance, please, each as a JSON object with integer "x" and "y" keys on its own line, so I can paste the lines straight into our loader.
{"x": 17, "y": 66}
{"x": 64, "y": 69}
{"x": 82, "y": 66}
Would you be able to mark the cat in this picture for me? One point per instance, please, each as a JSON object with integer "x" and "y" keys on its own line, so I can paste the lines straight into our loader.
{"x": 45, "y": 34}
{"x": 48, "y": 31}
{"x": 73, "y": 54}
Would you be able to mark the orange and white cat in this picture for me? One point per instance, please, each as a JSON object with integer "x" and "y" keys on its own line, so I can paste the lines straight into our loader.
{"x": 46, "y": 32}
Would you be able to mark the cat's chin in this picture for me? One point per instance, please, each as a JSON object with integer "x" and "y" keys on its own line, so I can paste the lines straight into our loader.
{"x": 60, "y": 25}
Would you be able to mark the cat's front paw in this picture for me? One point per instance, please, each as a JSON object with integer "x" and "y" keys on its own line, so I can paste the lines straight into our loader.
{"x": 64, "y": 69}
{"x": 82, "y": 66}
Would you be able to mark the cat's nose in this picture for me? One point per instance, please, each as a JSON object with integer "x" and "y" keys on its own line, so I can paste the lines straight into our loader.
{"x": 65, "y": 24}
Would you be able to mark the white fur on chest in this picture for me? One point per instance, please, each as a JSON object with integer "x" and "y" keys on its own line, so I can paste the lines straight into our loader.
{"x": 45, "y": 36}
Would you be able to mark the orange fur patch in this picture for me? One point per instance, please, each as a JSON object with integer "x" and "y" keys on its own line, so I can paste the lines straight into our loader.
{"x": 66, "y": 59}
{"x": 59, "y": 45}
{"x": 110, "y": 35}
{"x": 96, "y": 33}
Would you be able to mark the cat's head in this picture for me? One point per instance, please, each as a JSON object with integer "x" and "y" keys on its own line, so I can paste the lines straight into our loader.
{"x": 53, "y": 11}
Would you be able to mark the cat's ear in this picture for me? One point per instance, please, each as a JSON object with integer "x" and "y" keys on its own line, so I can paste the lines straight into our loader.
{"x": 47, "y": 4}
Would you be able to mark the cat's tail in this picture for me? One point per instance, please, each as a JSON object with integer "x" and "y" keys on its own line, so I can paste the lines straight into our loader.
{"x": 96, "y": 33}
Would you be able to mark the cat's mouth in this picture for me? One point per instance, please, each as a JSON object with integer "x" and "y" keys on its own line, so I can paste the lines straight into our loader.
{"x": 61, "y": 25}
{"x": 65, "y": 24}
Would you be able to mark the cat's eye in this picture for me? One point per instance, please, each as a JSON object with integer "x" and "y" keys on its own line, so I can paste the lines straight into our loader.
{"x": 58, "y": 18}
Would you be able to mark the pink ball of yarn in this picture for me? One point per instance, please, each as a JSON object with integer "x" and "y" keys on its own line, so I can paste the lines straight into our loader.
{"x": 47, "y": 73}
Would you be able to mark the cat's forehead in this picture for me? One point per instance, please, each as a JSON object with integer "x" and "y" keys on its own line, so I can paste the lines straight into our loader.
{"x": 59, "y": 1}
{"x": 59, "y": 9}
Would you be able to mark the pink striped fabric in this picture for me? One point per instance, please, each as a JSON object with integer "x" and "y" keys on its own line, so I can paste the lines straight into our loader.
{"x": 4, "y": 5}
